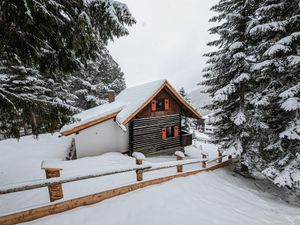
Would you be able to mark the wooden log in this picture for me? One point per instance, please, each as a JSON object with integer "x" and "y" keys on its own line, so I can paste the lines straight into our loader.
{"x": 138, "y": 161}
{"x": 179, "y": 157}
{"x": 219, "y": 156}
{"x": 153, "y": 120}
{"x": 139, "y": 175}
{"x": 171, "y": 164}
{"x": 154, "y": 126}
{"x": 158, "y": 143}
{"x": 55, "y": 190}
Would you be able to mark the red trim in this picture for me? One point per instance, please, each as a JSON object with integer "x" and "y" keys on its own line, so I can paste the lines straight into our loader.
{"x": 166, "y": 102}
{"x": 176, "y": 131}
{"x": 164, "y": 133}
{"x": 153, "y": 105}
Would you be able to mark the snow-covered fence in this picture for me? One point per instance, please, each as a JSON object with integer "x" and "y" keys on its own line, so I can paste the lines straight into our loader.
{"x": 24, "y": 186}
{"x": 61, "y": 206}
{"x": 181, "y": 161}
{"x": 54, "y": 178}
{"x": 139, "y": 157}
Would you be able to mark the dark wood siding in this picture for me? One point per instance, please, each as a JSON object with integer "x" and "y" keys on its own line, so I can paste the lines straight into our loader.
{"x": 174, "y": 107}
{"x": 146, "y": 135}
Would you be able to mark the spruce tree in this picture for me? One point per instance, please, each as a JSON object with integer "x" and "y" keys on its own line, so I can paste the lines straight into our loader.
{"x": 228, "y": 73}
{"x": 91, "y": 85}
{"x": 43, "y": 45}
{"x": 187, "y": 123}
{"x": 276, "y": 82}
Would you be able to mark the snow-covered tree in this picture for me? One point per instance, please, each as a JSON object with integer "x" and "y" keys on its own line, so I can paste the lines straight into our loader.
{"x": 91, "y": 85}
{"x": 45, "y": 44}
{"x": 187, "y": 123}
{"x": 275, "y": 73}
{"x": 254, "y": 79}
{"x": 228, "y": 72}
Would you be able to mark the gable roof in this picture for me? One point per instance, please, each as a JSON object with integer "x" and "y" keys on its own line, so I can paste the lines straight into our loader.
{"x": 126, "y": 106}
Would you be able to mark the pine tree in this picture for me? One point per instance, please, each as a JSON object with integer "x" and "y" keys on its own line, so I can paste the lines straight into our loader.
{"x": 91, "y": 85}
{"x": 43, "y": 45}
{"x": 276, "y": 30}
{"x": 228, "y": 73}
{"x": 256, "y": 95}
{"x": 187, "y": 123}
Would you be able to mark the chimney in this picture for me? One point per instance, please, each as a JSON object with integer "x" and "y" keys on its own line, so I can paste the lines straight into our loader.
{"x": 111, "y": 96}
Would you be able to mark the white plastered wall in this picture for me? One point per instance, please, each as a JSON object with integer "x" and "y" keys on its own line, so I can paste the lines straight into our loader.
{"x": 101, "y": 138}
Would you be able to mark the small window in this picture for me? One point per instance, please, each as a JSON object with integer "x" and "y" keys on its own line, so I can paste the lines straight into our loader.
{"x": 168, "y": 132}
{"x": 160, "y": 104}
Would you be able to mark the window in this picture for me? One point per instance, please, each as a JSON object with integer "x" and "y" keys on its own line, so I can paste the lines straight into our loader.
{"x": 160, "y": 104}
{"x": 168, "y": 132}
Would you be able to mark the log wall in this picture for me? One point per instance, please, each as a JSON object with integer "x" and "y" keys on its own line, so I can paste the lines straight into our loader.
{"x": 146, "y": 134}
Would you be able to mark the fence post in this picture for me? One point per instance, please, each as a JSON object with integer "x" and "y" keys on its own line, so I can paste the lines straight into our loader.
{"x": 139, "y": 175}
{"x": 139, "y": 158}
{"x": 180, "y": 156}
{"x": 219, "y": 156}
{"x": 139, "y": 161}
{"x": 55, "y": 190}
{"x": 204, "y": 155}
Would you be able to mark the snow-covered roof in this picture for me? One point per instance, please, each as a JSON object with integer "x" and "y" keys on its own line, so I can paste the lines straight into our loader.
{"x": 126, "y": 105}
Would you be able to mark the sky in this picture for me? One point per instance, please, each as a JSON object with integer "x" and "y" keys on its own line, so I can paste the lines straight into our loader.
{"x": 167, "y": 42}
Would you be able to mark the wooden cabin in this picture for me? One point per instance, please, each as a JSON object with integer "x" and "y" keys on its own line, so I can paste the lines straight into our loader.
{"x": 145, "y": 118}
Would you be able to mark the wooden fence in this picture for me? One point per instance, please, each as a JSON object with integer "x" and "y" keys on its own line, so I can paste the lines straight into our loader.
{"x": 56, "y": 191}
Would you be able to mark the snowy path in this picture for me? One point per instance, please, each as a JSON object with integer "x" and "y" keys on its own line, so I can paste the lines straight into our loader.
{"x": 214, "y": 198}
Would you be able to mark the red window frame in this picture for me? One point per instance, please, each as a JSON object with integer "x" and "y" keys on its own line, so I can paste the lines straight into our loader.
{"x": 165, "y": 104}
{"x": 169, "y": 132}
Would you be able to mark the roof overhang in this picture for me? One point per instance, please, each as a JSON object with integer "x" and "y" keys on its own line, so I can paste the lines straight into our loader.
{"x": 89, "y": 124}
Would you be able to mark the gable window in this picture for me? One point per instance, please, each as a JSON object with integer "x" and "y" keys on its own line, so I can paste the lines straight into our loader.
{"x": 168, "y": 132}
{"x": 160, "y": 104}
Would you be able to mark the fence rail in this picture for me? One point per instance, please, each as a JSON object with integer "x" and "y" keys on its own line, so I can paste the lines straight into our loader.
{"x": 24, "y": 186}
{"x": 58, "y": 180}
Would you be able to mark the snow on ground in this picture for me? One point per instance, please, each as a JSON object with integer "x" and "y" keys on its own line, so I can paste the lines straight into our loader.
{"x": 214, "y": 198}
{"x": 21, "y": 160}
{"x": 209, "y": 198}
{"x": 201, "y": 136}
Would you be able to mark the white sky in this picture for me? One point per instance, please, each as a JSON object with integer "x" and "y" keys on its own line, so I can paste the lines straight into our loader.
{"x": 168, "y": 41}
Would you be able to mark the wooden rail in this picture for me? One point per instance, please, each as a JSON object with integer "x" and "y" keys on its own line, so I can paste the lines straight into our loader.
{"x": 58, "y": 180}
{"x": 53, "y": 208}
{"x": 174, "y": 164}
